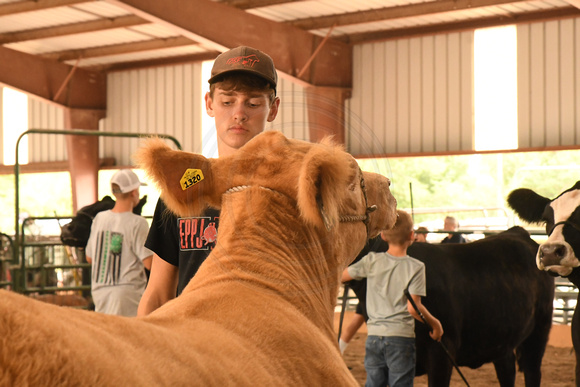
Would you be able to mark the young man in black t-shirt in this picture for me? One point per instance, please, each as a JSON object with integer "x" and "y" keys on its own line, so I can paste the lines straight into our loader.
{"x": 242, "y": 100}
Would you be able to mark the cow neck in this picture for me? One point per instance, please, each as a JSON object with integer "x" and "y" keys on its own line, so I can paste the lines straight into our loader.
{"x": 345, "y": 218}
{"x": 574, "y": 276}
{"x": 266, "y": 244}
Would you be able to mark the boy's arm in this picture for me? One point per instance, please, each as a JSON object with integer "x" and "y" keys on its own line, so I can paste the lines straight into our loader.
{"x": 161, "y": 288}
{"x": 436, "y": 327}
{"x": 346, "y": 276}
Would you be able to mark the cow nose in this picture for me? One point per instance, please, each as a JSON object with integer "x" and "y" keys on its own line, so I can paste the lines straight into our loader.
{"x": 552, "y": 253}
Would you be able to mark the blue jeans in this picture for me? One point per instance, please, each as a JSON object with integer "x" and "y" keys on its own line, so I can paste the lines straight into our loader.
{"x": 390, "y": 361}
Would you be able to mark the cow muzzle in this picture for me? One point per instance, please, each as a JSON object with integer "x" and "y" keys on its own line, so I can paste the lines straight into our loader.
{"x": 556, "y": 257}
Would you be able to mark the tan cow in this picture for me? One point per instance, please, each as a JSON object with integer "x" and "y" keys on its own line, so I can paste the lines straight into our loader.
{"x": 260, "y": 310}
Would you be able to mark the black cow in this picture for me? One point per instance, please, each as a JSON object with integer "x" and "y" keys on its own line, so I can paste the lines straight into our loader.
{"x": 76, "y": 232}
{"x": 493, "y": 303}
{"x": 559, "y": 254}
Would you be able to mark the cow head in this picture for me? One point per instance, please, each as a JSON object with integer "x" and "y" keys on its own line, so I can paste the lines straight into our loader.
{"x": 561, "y": 216}
{"x": 323, "y": 180}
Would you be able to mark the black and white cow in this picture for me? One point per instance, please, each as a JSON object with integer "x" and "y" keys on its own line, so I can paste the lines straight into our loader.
{"x": 558, "y": 255}
{"x": 493, "y": 303}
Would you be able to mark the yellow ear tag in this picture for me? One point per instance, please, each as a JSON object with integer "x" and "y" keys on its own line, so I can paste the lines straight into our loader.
{"x": 190, "y": 178}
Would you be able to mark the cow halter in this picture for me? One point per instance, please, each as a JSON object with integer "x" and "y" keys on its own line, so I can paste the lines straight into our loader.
{"x": 358, "y": 218}
{"x": 562, "y": 223}
{"x": 365, "y": 218}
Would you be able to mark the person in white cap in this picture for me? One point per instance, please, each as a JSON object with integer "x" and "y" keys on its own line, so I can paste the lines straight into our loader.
{"x": 116, "y": 249}
{"x": 242, "y": 100}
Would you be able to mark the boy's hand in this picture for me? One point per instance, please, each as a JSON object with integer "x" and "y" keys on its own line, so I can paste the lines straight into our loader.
{"x": 436, "y": 330}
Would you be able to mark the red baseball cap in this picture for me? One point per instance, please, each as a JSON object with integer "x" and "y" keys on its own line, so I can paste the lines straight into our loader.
{"x": 248, "y": 59}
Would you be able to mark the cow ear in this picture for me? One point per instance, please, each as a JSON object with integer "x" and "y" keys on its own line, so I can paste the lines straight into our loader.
{"x": 527, "y": 204}
{"x": 185, "y": 179}
{"x": 323, "y": 177}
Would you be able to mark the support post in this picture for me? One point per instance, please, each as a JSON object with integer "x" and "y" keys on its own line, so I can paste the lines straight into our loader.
{"x": 83, "y": 155}
{"x": 326, "y": 112}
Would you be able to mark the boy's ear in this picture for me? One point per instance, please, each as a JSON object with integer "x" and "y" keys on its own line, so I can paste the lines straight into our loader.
{"x": 274, "y": 109}
{"x": 186, "y": 180}
{"x": 208, "y": 105}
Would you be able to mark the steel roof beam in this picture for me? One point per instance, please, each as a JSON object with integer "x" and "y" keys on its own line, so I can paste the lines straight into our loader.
{"x": 83, "y": 89}
{"x": 71, "y": 29}
{"x": 35, "y": 5}
{"x": 465, "y": 25}
{"x": 575, "y": 3}
{"x": 119, "y": 49}
{"x": 290, "y": 47}
{"x": 248, "y": 4}
{"x": 397, "y": 12}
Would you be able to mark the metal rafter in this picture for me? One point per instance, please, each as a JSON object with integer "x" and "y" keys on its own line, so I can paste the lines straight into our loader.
{"x": 390, "y": 13}
{"x": 36, "y": 5}
{"x": 40, "y": 77}
{"x": 248, "y": 4}
{"x": 148, "y": 63}
{"x": 575, "y": 3}
{"x": 117, "y": 49}
{"x": 71, "y": 29}
{"x": 290, "y": 47}
{"x": 465, "y": 25}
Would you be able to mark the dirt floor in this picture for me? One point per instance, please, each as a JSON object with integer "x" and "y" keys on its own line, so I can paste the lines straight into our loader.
{"x": 557, "y": 368}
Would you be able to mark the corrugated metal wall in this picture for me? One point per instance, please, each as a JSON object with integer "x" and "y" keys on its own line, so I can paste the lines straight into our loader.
{"x": 163, "y": 100}
{"x": 292, "y": 119}
{"x": 412, "y": 95}
{"x": 45, "y": 147}
{"x": 549, "y": 84}
{"x": 409, "y": 96}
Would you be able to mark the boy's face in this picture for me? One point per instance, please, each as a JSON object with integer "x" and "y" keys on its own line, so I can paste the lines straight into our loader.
{"x": 420, "y": 237}
{"x": 449, "y": 225}
{"x": 239, "y": 116}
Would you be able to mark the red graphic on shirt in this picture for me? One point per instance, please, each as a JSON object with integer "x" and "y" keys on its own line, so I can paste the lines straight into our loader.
{"x": 246, "y": 61}
{"x": 210, "y": 233}
{"x": 197, "y": 233}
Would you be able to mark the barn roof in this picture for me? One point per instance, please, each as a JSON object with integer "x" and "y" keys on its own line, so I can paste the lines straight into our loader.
{"x": 49, "y": 43}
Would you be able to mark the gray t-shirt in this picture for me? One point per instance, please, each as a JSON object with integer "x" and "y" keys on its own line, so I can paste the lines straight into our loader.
{"x": 117, "y": 247}
{"x": 387, "y": 277}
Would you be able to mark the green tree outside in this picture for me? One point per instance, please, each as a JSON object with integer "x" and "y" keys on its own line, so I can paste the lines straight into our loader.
{"x": 466, "y": 181}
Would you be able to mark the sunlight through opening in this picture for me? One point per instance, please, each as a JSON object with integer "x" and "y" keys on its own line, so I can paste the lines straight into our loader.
{"x": 15, "y": 122}
{"x": 495, "y": 88}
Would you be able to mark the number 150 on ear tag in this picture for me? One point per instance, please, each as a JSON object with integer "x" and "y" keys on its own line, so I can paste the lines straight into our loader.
{"x": 190, "y": 178}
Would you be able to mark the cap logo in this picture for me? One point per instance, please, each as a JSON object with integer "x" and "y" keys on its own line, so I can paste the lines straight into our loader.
{"x": 190, "y": 178}
{"x": 246, "y": 61}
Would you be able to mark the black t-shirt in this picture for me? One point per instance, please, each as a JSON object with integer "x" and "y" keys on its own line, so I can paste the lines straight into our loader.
{"x": 455, "y": 238}
{"x": 183, "y": 242}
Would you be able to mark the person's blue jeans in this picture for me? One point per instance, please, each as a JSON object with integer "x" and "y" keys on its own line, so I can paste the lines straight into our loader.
{"x": 390, "y": 361}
